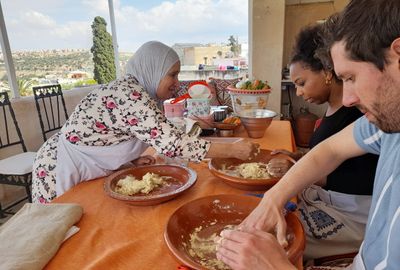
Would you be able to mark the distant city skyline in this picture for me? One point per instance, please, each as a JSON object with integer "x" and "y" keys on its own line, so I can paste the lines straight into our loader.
{"x": 66, "y": 24}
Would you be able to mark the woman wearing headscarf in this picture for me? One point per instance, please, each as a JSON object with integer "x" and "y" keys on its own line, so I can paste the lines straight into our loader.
{"x": 115, "y": 123}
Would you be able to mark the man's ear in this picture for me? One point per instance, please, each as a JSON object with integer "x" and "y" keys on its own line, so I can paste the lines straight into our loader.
{"x": 395, "y": 47}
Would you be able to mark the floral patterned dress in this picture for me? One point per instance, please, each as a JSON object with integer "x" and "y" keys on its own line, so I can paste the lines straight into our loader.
{"x": 106, "y": 126}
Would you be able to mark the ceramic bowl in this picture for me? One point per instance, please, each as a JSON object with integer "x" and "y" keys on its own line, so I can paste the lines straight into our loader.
{"x": 243, "y": 99}
{"x": 182, "y": 179}
{"x": 256, "y": 122}
{"x": 225, "y": 132}
{"x": 216, "y": 164}
{"x": 213, "y": 214}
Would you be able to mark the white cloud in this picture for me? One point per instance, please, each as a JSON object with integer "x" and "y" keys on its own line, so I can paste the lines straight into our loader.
{"x": 203, "y": 21}
{"x": 100, "y": 7}
{"x": 72, "y": 29}
{"x": 35, "y": 31}
{"x": 68, "y": 25}
{"x": 37, "y": 20}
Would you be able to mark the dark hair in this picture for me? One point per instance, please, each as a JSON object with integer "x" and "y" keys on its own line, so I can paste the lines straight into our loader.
{"x": 310, "y": 49}
{"x": 368, "y": 28}
{"x": 308, "y": 40}
{"x": 327, "y": 32}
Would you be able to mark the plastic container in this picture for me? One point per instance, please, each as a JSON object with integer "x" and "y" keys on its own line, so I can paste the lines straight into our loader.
{"x": 174, "y": 110}
{"x": 198, "y": 106}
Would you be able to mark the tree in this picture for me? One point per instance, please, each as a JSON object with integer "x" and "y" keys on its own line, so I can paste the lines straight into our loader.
{"x": 103, "y": 52}
{"x": 25, "y": 87}
{"x": 235, "y": 46}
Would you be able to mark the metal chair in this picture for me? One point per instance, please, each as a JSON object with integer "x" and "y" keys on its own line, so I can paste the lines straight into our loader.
{"x": 15, "y": 170}
{"x": 50, "y": 100}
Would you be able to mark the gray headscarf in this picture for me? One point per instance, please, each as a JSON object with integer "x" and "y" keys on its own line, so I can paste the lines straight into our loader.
{"x": 150, "y": 64}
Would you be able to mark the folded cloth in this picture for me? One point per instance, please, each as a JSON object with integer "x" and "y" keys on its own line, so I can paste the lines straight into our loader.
{"x": 72, "y": 231}
{"x": 189, "y": 126}
{"x": 192, "y": 127}
{"x": 34, "y": 234}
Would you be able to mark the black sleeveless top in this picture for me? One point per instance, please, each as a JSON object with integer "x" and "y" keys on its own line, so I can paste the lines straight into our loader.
{"x": 355, "y": 175}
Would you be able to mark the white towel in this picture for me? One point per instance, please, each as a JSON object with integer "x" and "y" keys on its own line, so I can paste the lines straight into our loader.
{"x": 34, "y": 234}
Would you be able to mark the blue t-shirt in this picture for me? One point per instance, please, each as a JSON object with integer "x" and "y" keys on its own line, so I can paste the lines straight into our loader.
{"x": 381, "y": 247}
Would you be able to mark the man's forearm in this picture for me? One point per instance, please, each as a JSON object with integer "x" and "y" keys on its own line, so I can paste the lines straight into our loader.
{"x": 316, "y": 164}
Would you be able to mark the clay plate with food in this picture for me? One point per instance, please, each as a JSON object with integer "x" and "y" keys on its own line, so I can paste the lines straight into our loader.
{"x": 193, "y": 230}
{"x": 173, "y": 181}
{"x": 258, "y": 173}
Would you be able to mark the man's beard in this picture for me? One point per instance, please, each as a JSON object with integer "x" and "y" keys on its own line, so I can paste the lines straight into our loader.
{"x": 386, "y": 110}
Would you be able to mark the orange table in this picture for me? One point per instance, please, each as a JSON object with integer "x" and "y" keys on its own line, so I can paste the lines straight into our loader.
{"x": 114, "y": 235}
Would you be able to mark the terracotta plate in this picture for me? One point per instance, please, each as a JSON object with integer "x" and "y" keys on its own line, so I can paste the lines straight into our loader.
{"x": 183, "y": 179}
{"x": 216, "y": 164}
{"x": 213, "y": 213}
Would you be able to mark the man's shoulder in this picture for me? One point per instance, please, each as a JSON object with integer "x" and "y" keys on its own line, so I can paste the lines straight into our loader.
{"x": 368, "y": 133}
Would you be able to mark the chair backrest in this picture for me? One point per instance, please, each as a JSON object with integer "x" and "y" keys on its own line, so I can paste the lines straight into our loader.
{"x": 51, "y": 107}
{"x": 10, "y": 134}
{"x": 221, "y": 92}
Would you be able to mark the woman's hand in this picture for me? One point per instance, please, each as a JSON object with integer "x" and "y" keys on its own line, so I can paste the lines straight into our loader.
{"x": 268, "y": 216}
{"x": 277, "y": 167}
{"x": 296, "y": 155}
{"x": 144, "y": 160}
{"x": 244, "y": 149}
{"x": 252, "y": 249}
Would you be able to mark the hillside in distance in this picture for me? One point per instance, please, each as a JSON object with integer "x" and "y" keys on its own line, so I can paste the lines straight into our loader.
{"x": 54, "y": 63}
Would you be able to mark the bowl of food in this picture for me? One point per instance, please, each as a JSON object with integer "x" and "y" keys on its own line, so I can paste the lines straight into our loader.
{"x": 193, "y": 229}
{"x": 249, "y": 95}
{"x": 258, "y": 173}
{"x": 149, "y": 185}
{"x": 256, "y": 122}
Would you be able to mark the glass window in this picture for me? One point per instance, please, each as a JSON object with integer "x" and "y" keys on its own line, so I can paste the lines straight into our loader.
{"x": 51, "y": 40}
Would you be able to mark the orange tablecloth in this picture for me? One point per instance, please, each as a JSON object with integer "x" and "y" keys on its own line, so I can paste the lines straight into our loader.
{"x": 114, "y": 235}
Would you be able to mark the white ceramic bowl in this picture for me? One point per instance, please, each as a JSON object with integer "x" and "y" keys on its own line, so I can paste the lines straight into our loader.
{"x": 244, "y": 100}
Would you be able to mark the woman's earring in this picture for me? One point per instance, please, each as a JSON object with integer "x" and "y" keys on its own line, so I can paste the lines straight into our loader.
{"x": 328, "y": 81}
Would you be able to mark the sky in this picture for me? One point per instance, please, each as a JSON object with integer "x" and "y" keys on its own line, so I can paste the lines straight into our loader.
{"x": 66, "y": 24}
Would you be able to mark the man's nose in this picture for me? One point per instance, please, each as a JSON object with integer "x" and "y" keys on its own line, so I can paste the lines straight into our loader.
{"x": 350, "y": 98}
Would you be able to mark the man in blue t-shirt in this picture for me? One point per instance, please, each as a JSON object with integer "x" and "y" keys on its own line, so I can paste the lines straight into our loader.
{"x": 365, "y": 49}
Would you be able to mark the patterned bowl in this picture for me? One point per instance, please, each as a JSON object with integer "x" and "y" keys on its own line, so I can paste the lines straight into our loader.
{"x": 243, "y": 99}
